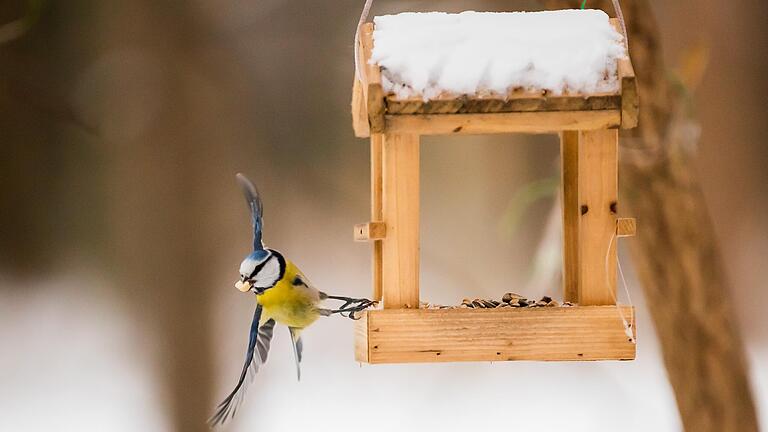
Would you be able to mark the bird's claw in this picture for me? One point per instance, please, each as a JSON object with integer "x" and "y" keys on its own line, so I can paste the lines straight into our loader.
{"x": 352, "y": 307}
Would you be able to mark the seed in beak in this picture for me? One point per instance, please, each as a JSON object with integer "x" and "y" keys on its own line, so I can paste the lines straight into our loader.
{"x": 243, "y": 286}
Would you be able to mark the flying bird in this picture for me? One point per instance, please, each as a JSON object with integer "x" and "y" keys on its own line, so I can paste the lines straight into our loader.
{"x": 284, "y": 295}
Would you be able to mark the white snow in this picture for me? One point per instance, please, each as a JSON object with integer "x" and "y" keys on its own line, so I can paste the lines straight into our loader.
{"x": 565, "y": 51}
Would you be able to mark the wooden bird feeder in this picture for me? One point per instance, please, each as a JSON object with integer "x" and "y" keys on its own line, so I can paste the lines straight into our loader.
{"x": 588, "y": 126}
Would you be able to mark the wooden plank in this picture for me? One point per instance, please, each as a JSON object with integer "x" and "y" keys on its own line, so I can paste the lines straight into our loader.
{"x": 537, "y": 122}
{"x": 515, "y": 101}
{"x": 598, "y": 195}
{"x": 569, "y": 164}
{"x": 626, "y": 227}
{"x": 376, "y": 108}
{"x": 443, "y": 335}
{"x": 374, "y": 94}
{"x": 371, "y": 72}
{"x": 361, "y": 339}
{"x": 630, "y": 100}
{"x": 376, "y": 209}
{"x": 370, "y": 231}
{"x": 359, "y": 113}
{"x": 400, "y": 250}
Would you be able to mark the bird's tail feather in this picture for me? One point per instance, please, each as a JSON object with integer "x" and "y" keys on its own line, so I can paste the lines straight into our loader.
{"x": 298, "y": 348}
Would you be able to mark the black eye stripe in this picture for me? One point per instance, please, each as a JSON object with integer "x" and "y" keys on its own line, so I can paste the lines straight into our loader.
{"x": 260, "y": 266}
{"x": 280, "y": 260}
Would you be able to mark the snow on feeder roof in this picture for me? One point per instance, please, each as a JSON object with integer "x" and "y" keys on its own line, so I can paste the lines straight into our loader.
{"x": 476, "y": 53}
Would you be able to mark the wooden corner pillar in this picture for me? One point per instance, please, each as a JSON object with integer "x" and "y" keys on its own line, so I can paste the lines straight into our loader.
{"x": 590, "y": 200}
{"x": 400, "y": 211}
{"x": 376, "y": 210}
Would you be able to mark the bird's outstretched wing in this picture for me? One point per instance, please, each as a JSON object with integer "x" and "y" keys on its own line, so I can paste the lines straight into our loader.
{"x": 265, "y": 338}
{"x": 258, "y": 340}
{"x": 298, "y": 348}
{"x": 257, "y": 208}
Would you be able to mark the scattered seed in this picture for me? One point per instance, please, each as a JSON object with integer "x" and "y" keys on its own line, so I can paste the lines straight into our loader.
{"x": 511, "y": 297}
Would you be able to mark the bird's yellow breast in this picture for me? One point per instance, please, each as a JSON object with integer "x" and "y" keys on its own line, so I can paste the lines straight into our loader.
{"x": 289, "y": 304}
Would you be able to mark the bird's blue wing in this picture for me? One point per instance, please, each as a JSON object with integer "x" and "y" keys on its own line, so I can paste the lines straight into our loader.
{"x": 265, "y": 338}
{"x": 298, "y": 348}
{"x": 256, "y": 207}
{"x": 258, "y": 340}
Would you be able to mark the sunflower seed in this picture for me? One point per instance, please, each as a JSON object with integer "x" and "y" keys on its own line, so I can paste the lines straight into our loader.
{"x": 511, "y": 297}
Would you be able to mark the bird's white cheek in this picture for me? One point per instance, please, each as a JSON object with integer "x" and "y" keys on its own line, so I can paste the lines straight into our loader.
{"x": 243, "y": 286}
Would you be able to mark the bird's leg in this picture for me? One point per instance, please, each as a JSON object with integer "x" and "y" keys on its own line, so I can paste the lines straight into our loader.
{"x": 350, "y": 306}
{"x": 352, "y": 302}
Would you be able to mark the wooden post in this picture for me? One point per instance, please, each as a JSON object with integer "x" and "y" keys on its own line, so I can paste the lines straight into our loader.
{"x": 376, "y": 210}
{"x": 597, "y": 200}
{"x": 569, "y": 164}
{"x": 400, "y": 248}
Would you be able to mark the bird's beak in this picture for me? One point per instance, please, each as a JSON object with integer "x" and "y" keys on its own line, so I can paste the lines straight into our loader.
{"x": 243, "y": 286}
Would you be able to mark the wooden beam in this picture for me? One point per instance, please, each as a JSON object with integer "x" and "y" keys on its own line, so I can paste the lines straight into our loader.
{"x": 569, "y": 164}
{"x": 377, "y": 213}
{"x": 362, "y": 352}
{"x": 370, "y": 231}
{"x": 443, "y": 335}
{"x": 598, "y": 201}
{"x": 630, "y": 100}
{"x": 374, "y": 94}
{"x": 400, "y": 249}
{"x": 528, "y": 122}
{"x": 359, "y": 111}
{"x": 626, "y": 227}
{"x": 515, "y": 101}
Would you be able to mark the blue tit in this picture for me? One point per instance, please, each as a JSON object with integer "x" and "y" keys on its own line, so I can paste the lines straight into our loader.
{"x": 284, "y": 295}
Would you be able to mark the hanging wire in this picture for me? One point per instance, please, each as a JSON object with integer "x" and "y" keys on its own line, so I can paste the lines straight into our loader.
{"x": 624, "y": 321}
{"x": 359, "y": 73}
{"x": 620, "y": 16}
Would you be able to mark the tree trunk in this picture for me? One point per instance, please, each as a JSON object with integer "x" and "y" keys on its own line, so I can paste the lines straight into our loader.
{"x": 676, "y": 253}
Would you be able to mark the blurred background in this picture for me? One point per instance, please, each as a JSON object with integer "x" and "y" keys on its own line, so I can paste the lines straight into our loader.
{"x": 122, "y": 125}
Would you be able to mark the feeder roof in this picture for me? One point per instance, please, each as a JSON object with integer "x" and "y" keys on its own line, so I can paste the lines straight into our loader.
{"x": 478, "y": 53}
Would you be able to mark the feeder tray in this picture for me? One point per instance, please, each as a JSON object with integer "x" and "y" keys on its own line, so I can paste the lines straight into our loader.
{"x": 587, "y": 125}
